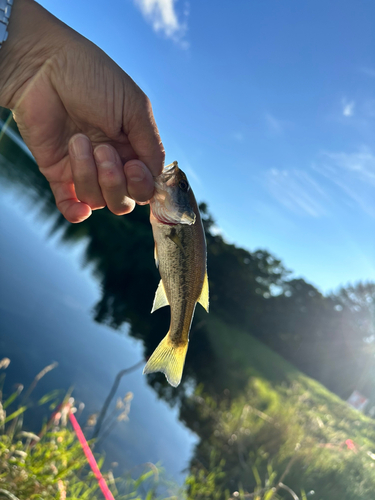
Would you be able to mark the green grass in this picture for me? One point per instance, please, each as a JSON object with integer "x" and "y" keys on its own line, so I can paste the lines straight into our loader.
{"x": 246, "y": 352}
{"x": 267, "y": 416}
{"x": 266, "y": 430}
{"x": 51, "y": 465}
{"x": 240, "y": 353}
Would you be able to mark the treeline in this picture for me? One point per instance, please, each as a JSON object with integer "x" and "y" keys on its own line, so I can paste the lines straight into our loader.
{"x": 330, "y": 338}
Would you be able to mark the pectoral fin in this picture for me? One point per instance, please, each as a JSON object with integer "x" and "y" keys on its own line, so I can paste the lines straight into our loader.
{"x": 203, "y": 299}
{"x": 156, "y": 256}
{"x": 160, "y": 299}
{"x": 173, "y": 236}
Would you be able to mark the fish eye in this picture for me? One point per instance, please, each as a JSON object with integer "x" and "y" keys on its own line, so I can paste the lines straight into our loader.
{"x": 183, "y": 185}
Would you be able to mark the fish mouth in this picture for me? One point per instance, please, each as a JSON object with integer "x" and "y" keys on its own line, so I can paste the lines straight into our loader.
{"x": 173, "y": 218}
{"x": 188, "y": 217}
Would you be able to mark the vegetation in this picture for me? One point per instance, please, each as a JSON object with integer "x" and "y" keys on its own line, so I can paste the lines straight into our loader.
{"x": 281, "y": 426}
{"x": 266, "y": 429}
{"x": 52, "y": 465}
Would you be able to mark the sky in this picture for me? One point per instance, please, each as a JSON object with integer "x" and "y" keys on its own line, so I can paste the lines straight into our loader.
{"x": 269, "y": 108}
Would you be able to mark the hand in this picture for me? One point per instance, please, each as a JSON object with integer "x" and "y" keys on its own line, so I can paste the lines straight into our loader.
{"x": 89, "y": 126}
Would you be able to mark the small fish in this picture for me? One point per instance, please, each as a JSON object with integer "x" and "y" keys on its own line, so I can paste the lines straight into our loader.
{"x": 180, "y": 255}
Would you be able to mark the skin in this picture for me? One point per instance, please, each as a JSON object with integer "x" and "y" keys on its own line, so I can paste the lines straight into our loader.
{"x": 90, "y": 128}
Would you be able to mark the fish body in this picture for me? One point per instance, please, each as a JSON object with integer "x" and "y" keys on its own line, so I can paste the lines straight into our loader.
{"x": 180, "y": 254}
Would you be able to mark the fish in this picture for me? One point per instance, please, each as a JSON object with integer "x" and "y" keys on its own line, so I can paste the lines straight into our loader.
{"x": 181, "y": 256}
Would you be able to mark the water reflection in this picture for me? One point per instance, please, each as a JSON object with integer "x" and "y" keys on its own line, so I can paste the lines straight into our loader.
{"x": 260, "y": 420}
{"x": 99, "y": 420}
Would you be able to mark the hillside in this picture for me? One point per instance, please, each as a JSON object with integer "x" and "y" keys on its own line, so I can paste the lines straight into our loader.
{"x": 281, "y": 421}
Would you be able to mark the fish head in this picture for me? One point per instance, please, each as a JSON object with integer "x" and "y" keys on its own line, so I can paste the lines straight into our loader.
{"x": 172, "y": 202}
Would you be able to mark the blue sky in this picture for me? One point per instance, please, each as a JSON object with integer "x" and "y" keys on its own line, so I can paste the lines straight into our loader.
{"x": 269, "y": 107}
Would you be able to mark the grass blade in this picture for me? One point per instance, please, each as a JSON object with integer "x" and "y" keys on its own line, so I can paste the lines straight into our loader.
{"x": 15, "y": 414}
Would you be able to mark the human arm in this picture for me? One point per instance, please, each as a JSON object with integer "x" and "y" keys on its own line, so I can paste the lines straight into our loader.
{"x": 75, "y": 107}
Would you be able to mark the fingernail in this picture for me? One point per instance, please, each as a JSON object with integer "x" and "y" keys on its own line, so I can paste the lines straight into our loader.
{"x": 81, "y": 147}
{"x": 104, "y": 156}
{"x": 135, "y": 173}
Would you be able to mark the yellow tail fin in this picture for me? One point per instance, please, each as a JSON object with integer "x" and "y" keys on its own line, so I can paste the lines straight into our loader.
{"x": 168, "y": 359}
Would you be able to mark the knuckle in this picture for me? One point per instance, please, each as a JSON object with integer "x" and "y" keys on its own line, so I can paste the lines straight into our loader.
{"x": 160, "y": 155}
{"x": 147, "y": 103}
{"x": 109, "y": 179}
{"x": 144, "y": 104}
{"x": 83, "y": 176}
{"x": 142, "y": 99}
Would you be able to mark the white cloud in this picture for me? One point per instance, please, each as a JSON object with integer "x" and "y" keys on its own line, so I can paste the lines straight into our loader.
{"x": 298, "y": 191}
{"x": 163, "y": 18}
{"x": 361, "y": 163}
{"x": 348, "y": 107}
{"x": 354, "y": 175}
{"x": 337, "y": 180}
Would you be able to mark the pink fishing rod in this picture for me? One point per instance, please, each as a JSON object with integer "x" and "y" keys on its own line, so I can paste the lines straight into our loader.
{"x": 90, "y": 458}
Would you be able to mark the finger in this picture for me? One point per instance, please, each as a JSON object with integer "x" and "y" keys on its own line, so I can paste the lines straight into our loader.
{"x": 140, "y": 182}
{"x": 112, "y": 180}
{"x": 84, "y": 172}
{"x": 143, "y": 133}
{"x": 68, "y": 204}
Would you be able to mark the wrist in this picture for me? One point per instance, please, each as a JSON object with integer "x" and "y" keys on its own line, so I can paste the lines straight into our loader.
{"x": 34, "y": 36}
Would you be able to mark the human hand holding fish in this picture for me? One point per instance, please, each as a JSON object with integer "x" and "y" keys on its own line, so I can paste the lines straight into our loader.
{"x": 89, "y": 127}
